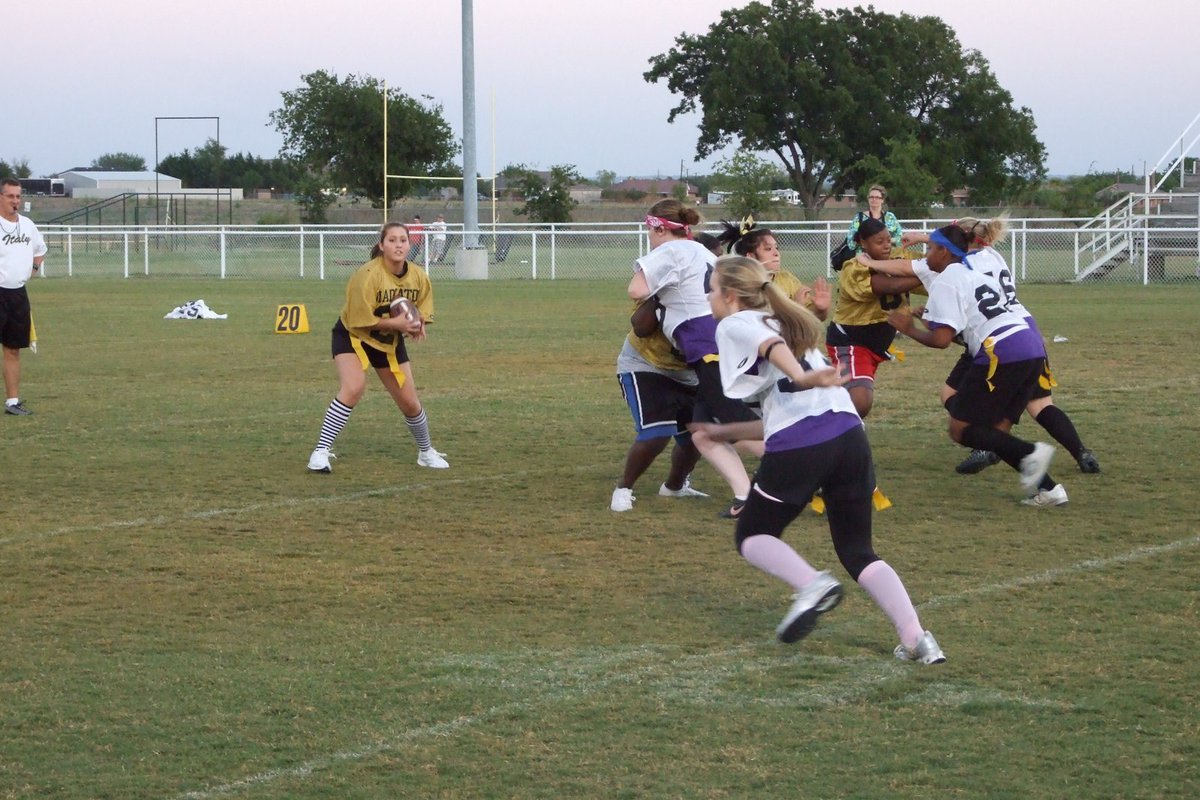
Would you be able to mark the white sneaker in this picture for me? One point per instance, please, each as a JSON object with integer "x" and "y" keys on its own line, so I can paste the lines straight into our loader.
{"x": 926, "y": 651}
{"x": 433, "y": 459}
{"x": 319, "y": 460}
{"x": 1035, "y": 465}
{"x": 820, "y": 595}
{"x": 1048, "y": 497}
{"x": 622, "y": 500}
{"x": 683, "y": 491}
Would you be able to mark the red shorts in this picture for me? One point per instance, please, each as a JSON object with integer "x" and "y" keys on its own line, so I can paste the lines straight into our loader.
{"x": 856, "y": 361}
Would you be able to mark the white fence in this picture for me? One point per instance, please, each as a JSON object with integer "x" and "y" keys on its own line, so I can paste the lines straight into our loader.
{"x": 1039, "y": 250}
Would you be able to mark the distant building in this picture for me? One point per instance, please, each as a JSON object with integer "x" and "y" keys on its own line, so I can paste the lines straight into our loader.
{"x": 585, "y": 193}
{"x": 99, "y": 184}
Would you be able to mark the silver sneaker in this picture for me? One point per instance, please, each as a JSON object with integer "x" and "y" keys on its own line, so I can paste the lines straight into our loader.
{"x": 622, "y": 500}
{"x": 1035, "y": 466}
{"x": 683, "y": 491}
{"x": 820, "y": 595}
{"x": 17, "y": 409}
{"x": 926, "y": 651}
{"x": 1047, "y": 497}
{"x": 319, "y": 460}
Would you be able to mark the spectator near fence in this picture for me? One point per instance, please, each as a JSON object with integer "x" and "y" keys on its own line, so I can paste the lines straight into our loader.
{"x": 437, "y": 250}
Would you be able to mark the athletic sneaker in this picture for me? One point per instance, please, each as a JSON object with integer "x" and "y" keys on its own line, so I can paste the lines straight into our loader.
{"x": 926, "y": 651}
{"x": 978, "y": 461}
{"x": 734, "y": 511}
{"x": 622, "y": 500}
{"x": 319, "y": 460}
{"x": 1035, "y": 465}
{"x": 820, "y": 595}
{"x": 433, "y": 459}
{"x": 17, "y": 409}
{"x": 1047, "y": 497}
{"x": 683, "y": 491}
{"x": 1087, "y": 462}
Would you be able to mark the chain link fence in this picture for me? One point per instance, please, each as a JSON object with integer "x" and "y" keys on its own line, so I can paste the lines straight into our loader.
{"x": 1039, "y": 251}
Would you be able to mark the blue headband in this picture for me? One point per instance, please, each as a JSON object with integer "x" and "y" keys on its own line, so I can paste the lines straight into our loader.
{"x": 938, "y": 237}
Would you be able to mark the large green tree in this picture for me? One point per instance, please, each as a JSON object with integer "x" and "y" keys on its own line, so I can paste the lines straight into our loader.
{"x": 335, "y": 128}
{"x": 824, "y": 89}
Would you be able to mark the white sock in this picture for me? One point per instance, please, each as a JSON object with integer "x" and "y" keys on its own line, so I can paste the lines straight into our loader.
{"x": 12, "y": 401}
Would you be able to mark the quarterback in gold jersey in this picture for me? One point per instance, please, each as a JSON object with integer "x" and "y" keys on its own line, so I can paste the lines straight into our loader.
{"x": 368, "y": 334}
{"x": 859, "y": 337}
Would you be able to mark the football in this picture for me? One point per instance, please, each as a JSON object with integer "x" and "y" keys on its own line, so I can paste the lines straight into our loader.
{"x": 403, "y": 307}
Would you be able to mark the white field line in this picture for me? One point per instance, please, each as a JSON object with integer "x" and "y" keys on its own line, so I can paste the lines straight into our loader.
{"x": 873, "y": 671}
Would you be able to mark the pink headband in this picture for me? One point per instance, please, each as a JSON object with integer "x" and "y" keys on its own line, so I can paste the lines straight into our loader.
{"x": 671, "y": 225}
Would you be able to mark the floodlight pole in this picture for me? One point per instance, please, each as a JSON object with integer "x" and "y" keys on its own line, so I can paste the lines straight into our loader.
{"x": 470, "y": 187}
{"x": 471, "y": 262}
{"x": 157, "y": 200}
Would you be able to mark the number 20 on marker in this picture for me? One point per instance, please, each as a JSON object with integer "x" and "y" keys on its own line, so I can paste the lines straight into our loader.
{"x": 291, "y": 318}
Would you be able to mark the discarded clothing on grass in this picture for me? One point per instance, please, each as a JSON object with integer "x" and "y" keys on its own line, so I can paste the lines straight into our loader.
{"x": 194, "y": 309}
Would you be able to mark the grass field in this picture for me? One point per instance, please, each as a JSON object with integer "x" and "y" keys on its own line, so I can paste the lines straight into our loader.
{"x": 188, "y": 613}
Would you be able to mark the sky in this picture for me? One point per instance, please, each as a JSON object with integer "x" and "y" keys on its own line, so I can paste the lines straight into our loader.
{"x": 1110, "y": 84}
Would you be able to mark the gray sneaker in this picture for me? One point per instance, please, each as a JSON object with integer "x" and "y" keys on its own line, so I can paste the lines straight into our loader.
{"x": 17, "y": 409}
{"x": 926, "y": 651}
{"x": 820, "y": 595}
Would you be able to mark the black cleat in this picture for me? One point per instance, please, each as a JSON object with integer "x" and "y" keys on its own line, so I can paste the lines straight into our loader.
{"x": 978, "y": 461}
{"x": 1087, "y": 462}
{"x": 734, "y": 511}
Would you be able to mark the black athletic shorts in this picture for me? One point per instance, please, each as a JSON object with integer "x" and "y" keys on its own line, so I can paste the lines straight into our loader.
{"x": 15, "y": 319}
{"x": 984, "y": 400}
{"x": 711, "y": 403}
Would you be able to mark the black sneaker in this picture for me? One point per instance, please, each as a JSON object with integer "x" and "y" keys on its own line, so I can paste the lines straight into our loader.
{"x": 19, "y": 410}
{"x": 1087, "y": 462}
{"x": 734, "y": 511}
{"x": 978, "y": 461}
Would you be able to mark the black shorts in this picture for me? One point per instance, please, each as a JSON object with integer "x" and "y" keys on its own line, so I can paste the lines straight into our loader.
{"x": 959, "y": 371}
{"x": 984, "y": 400}
{"x": 711, "y": 403}
{"x": 343, "y": 342}
{"x": 660, "y": 406}
{"x": 786, "y": 481}
{"x": 15, "y": 319}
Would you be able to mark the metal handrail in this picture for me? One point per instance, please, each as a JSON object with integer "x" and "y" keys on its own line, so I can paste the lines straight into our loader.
{"x": 1176, "y": 160}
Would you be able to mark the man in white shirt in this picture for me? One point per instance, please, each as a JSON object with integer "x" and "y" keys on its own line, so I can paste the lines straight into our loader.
{"x": 22, "y": 250}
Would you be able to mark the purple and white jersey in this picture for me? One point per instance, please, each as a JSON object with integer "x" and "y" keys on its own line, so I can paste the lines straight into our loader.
{"x": 679, "y": 272}
{"x": 975, "y": 304}
{"x": 791, "y": 418}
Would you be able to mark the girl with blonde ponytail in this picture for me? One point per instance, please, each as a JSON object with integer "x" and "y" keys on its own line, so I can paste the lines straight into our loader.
{"x": 770, "y": 352}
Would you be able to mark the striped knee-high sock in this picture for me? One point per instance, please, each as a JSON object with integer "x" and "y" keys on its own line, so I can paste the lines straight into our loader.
{"x": 418, "y": 426}
{"x": 336, "y": 417}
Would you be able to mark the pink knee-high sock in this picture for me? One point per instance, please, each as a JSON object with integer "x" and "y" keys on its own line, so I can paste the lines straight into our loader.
{"x": 776, "y": 557}
{"x": 888, "y": 592}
